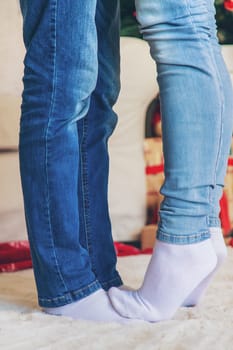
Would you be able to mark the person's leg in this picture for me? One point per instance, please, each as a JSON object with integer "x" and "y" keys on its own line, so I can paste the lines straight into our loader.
{"x": 227, "y": 122}
{"x": 227, "y": 116}
{"x": 191, "y": 105}
{"x": 94, "y": 131}
{"x": 61, "y": 69}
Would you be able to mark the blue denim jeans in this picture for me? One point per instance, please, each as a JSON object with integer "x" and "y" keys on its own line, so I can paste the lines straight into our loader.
{"x": 197, "y": 113}
{"x": 71, "y": 81}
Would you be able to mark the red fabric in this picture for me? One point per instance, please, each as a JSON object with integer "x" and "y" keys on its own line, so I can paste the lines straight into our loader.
{"x": 15, "y": 256}
{"x": 12, "y": 267}
{"x": 126, "y": 250}
{"x": 14, "y": 251}
{"x": 154, "y": 169}
{"x": 224, "y": 214}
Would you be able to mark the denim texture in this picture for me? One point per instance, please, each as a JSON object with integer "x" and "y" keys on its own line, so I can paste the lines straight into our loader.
{"x": 71, "y": 81}
{"x": 197, "y": 113}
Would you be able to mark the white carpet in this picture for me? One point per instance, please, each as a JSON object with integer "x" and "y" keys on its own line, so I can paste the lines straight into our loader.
{"x": 24, "y": 327}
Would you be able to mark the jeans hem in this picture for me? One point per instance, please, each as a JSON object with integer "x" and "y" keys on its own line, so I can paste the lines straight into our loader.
{"x": 183, "y": 239}
{"x": 214, "y": 222}
{"x": 116, "y": 282}
{"x": 71, "y": 296}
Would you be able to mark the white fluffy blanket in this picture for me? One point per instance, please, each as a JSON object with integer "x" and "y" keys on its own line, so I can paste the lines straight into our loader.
{"x": 24, "y": 327}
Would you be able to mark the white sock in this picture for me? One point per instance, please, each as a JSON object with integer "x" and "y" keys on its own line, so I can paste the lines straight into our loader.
{"x": 173, "y": 273}
{"x": 95, "y": 307}
{"x": 221, "y": 252}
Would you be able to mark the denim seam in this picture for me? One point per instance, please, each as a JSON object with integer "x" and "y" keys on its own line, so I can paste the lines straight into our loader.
{"x": 85, "y": 186}
{"x": 210, "y": 198}
{"x": 85, "y": 183}
{"x": 219, "y": 86}
{"x": 111, "y": 281}
{"x": 53, "y": 29}
{"x": 82, "y": 175}
{"x": 194, "y": 24}
{"x": 183, "y": 239}
{"x": 68, "y": 294}
{"x": 213, "y": 222}
{"x": 83, "y": 180}
{"x": 198, "y": 234}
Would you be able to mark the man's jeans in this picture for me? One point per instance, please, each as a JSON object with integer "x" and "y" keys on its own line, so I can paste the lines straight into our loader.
{"x": 71, "y": 82}
{"x": 197, "y": 113}
{"x": 70, "y": 85}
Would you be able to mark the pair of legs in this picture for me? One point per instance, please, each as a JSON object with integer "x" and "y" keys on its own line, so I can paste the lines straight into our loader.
{"x": 197, "y": 117}
{"x": 71, "y": 82}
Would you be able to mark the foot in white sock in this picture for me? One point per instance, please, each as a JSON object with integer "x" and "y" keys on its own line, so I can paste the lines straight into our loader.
{"x": 173, "y": 273}
{"x": 221, "y": 252}
{"x": 95, "y": 307}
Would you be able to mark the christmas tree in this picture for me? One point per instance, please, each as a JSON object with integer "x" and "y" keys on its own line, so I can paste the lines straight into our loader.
{"x": 224, "y": 18}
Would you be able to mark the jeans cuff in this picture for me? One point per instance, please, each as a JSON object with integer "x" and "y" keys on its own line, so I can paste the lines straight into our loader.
{"x": 116, "y": 282}
{"x": 183, "y": 239}
{"x": 70, "y": 297}
{"x": 214, "y": 222}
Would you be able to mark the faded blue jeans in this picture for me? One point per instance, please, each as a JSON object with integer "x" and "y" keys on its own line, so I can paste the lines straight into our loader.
{"x": 197, "y": 114}
{"x": 71, "y": 81}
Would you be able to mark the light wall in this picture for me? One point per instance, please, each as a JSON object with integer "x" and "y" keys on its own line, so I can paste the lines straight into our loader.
{"x": 11, "y": 71}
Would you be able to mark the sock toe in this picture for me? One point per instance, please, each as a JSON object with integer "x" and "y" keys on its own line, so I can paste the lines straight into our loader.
{"x": 117, "y": 300}
{"x": 129, "y": 304}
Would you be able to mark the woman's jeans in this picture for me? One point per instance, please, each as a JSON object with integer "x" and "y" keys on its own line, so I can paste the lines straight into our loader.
{"x": 71, "y": 82}
{"x": 197, "y": 114}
